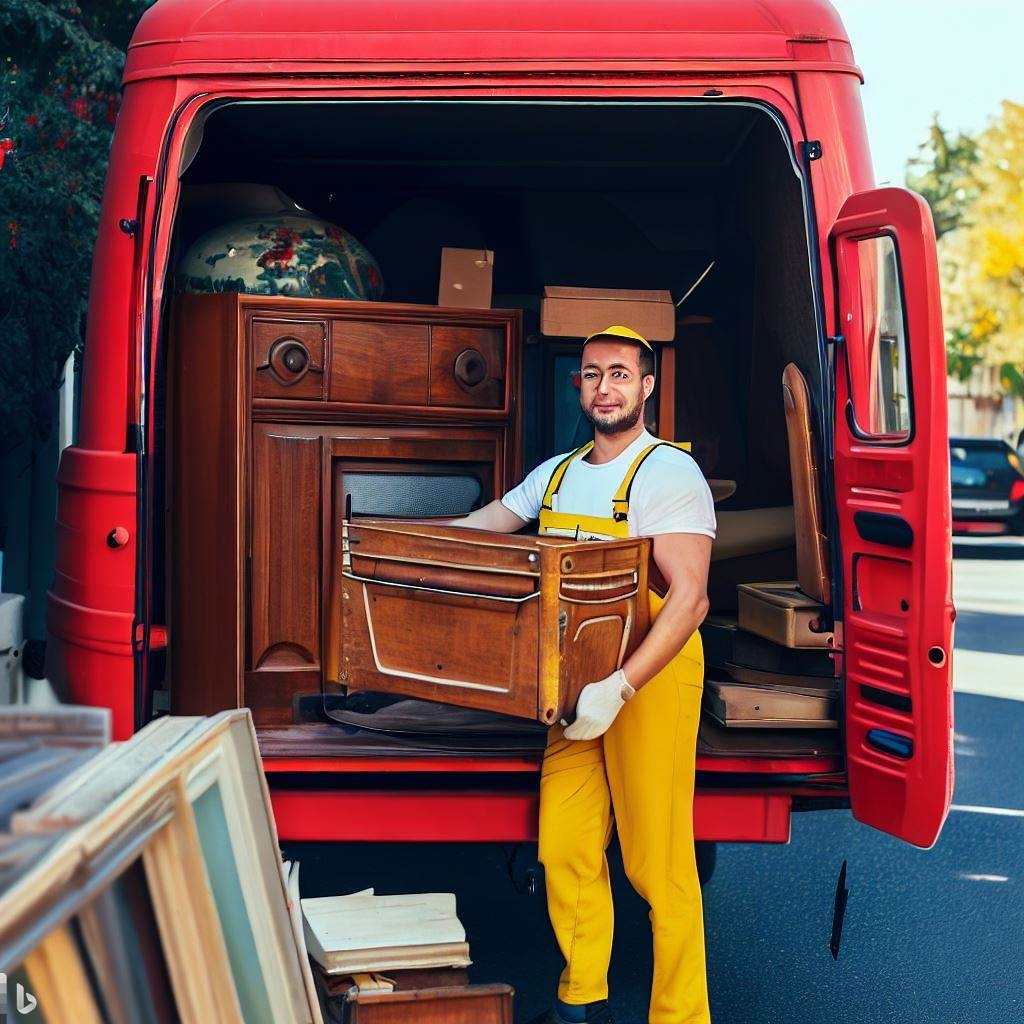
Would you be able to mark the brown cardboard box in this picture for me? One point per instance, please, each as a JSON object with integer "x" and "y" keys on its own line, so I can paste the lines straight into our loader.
{"x": 466, "y": 278}
{"x": 579, "y": 312}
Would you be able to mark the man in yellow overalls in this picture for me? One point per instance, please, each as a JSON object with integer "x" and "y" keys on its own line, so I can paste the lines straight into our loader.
{"x": 631, "y": 750}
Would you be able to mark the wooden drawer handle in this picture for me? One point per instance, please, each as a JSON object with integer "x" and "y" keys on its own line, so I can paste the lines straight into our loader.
{"x": 438, "y": 590}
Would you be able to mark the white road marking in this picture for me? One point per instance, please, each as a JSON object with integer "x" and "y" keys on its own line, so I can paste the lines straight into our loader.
{"x": 1002, "y": 812}
{"x": 991, "y": 675}
{"x": 985, "y": 878}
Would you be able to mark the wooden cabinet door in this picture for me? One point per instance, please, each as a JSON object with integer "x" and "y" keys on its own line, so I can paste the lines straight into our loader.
{"x": 286, "y": 573}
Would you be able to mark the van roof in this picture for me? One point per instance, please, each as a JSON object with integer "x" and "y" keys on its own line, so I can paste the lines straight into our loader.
{"x": 200, "y": 37}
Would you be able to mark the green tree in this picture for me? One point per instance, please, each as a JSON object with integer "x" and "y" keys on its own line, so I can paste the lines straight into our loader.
{"x": 942, "y": 172}
{"x": 982, "y": 259}
{"x": 60, "y": 71}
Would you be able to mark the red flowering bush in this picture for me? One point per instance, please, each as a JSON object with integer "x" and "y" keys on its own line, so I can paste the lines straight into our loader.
{"x": 60, "y": 72}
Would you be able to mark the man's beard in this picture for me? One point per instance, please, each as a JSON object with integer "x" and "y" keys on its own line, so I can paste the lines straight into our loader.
{"x": 624, "y": 420}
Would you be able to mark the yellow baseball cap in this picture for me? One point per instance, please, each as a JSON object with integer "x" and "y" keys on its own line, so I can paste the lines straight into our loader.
{"x": 623, "y": 334}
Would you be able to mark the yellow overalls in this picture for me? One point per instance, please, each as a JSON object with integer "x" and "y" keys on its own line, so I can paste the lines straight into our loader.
{"x": 643, "y": 770}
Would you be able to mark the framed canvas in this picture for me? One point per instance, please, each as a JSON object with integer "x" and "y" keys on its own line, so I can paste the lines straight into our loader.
{"x": 181, "y": 811}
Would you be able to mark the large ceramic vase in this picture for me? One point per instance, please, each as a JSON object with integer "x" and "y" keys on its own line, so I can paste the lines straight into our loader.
{"x": 289, "y": 252}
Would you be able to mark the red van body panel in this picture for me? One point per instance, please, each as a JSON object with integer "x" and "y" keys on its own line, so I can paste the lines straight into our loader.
{"x": 791, "y": 56}
{"x": 308, "y": 37}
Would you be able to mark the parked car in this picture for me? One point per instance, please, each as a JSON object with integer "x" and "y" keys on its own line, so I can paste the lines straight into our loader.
{"x": 987, "y": 486}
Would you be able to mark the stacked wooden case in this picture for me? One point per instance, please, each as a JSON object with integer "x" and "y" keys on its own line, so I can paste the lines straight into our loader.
{"x": 771, "y": 669}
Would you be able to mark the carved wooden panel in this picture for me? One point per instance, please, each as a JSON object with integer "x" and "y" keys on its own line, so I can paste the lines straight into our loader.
{"x": 286, "y": 551}
{"x": 288, "y": 358}
{"x": 205, "y": 551}
{"x": 467, "y": 366}
{"x": 379, "y": 363}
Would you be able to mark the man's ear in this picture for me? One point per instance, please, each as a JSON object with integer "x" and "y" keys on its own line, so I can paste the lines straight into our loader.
{"x": 648, "y": 385}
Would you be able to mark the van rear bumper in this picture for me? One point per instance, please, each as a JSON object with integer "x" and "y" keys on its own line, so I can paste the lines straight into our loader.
{"x": 464, "y": 799}
{"x": 510, "y": 816}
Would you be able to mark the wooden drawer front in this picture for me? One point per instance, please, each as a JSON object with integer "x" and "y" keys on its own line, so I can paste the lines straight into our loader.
{"x": 472, "y": 1004}
{"x": 379, "y": 364}
{"x": 288, "y": 359}
{"x": 467, "y": 366}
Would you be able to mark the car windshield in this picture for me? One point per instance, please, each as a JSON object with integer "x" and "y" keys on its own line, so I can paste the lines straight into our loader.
{"x": 966, "y": 476}
{"x": 981, "y": 458}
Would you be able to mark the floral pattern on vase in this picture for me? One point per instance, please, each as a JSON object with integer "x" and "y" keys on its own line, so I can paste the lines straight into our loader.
{"x": 288, "y": 253}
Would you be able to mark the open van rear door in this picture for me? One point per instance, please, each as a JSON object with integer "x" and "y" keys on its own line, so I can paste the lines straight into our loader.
{"x": 894, "y": 514}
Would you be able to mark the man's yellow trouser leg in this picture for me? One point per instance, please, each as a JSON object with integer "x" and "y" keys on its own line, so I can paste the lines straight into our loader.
{"x": 643, "y": 767}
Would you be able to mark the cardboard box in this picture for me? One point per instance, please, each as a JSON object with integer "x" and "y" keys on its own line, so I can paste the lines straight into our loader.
{"x": 466, "y": 278}
{"x": 580, "y": 312}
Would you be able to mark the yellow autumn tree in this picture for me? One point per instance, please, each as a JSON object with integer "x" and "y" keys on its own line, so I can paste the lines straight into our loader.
{"x": 982, "y": 259}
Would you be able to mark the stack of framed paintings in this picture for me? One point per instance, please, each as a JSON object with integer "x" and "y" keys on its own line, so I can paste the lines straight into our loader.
{"x": 146, "y": 886}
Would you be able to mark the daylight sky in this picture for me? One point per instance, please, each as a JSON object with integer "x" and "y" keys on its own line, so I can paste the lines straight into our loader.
{"x": 922, "y": 56}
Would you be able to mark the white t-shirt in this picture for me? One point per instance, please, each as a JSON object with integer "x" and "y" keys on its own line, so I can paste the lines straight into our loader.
{"x": 669, "y": 493}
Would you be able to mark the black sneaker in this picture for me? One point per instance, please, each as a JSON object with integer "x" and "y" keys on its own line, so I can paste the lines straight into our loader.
{"x": 597, "y": 1013}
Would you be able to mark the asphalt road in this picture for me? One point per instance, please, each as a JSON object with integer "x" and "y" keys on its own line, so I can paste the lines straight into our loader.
{"x": 931, "y": 937}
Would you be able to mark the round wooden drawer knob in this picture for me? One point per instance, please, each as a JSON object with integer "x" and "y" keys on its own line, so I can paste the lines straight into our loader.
{"x": 470, "y": 368}
{"x": 289, "y": 361}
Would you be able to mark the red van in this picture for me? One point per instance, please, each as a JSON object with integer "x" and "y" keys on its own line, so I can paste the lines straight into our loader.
{"x": 586, "y": 145}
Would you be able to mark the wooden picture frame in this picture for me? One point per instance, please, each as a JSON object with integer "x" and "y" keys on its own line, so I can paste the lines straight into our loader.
{"x": 143, "y": 799}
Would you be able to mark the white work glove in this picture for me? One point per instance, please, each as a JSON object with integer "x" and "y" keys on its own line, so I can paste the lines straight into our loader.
{"x": 598, "y": 705}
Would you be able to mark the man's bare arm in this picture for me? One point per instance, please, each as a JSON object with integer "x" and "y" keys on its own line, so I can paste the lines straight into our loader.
{"x": 683, "y": 559}
{"x": 495, "y": 516}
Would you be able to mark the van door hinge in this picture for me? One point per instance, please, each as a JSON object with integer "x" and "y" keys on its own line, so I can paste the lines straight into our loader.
{"x": 811, "y": 150}
{"x": 133, "y": 441}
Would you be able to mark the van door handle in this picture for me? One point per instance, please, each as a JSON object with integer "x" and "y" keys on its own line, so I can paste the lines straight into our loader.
{"x": 884, "y": 528}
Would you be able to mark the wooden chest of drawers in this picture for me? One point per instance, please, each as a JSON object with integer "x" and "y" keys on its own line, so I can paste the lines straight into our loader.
{"x": 515, "y": 624}
{"x": 281, "y": 413}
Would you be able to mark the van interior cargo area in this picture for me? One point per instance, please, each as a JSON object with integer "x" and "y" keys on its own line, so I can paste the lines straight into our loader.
{"x": 618, "y": 195}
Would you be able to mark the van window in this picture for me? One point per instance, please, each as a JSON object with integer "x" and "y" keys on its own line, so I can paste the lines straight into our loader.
{"x": 881, "y": 389}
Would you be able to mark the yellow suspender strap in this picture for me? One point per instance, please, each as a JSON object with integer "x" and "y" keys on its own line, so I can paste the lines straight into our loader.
{"x": 620, "y": 503}
{"x": 556, "y": 478}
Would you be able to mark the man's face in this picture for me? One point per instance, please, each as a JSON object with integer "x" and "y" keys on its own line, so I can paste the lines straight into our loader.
{"x": 612, "y": 391}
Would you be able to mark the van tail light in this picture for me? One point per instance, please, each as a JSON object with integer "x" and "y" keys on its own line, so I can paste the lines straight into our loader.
{"x": 1017, "y": 490}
